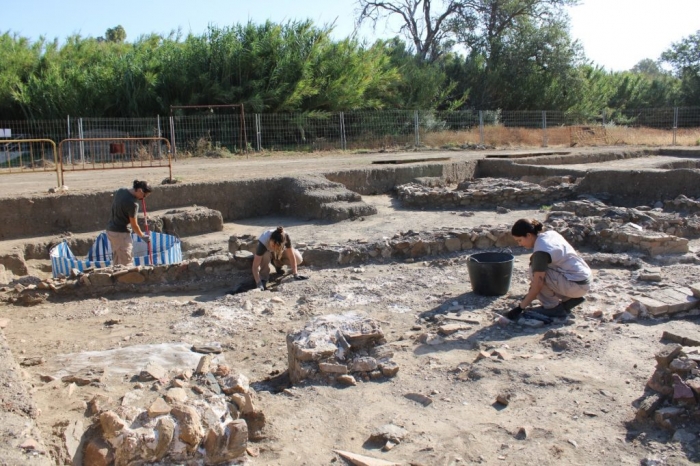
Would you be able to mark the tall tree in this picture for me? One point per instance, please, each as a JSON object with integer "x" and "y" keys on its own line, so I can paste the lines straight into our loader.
{"x": 423, "y": 25}
{"x": 684, "y": 58}
{"x": 648, "y": 67}
{"x": 116, "y": 34}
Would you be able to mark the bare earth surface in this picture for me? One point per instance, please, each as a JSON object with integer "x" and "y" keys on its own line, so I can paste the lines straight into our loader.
{"x": 571, "y": 395}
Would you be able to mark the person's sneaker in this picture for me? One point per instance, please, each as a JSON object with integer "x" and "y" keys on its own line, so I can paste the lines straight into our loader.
{"x": 557, "y": 311}
{"x": 569, "y": 304}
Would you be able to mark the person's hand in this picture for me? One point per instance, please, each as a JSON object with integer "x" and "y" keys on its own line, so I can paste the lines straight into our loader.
{"x": 300, "y": 277}
{"x": 514, "y": 313}
{"x": 146, "y": 239}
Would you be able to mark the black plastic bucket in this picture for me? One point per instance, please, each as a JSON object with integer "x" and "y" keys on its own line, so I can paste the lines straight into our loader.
{"x": 490, "y": 272}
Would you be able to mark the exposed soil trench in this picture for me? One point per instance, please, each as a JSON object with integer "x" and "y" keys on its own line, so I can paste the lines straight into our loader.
{"x": 572, "y": 399}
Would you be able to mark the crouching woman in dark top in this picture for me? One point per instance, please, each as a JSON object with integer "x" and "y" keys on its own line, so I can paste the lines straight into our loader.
{"x": 559, "y": 277}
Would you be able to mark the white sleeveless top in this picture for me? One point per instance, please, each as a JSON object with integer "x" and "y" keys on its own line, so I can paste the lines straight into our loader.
{"x": 565, "y": 259}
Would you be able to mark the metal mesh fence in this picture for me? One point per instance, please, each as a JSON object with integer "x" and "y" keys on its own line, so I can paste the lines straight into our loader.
{"x": 224, "y": 134}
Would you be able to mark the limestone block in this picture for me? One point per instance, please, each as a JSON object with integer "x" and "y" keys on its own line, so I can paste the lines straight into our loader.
{"x": 235, "y": 383}
{"x": 131, "y": 277}
{"x": 453, "y": 244}
{"x": 677, "y": 300}
{"x": 227, "y": 444}
{"x": 653, "y": 306}
{"x": 189, "y": 424}
{"x": 329, "y": 368}
{"x": 667, "y": 354}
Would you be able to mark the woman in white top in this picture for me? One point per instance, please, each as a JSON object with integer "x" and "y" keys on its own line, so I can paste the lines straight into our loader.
{"x": 559, "y": 277}
{"x": 274, "y": 246}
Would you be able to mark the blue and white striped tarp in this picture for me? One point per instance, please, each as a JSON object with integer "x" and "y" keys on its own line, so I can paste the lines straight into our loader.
{"x": 166, "y": 250}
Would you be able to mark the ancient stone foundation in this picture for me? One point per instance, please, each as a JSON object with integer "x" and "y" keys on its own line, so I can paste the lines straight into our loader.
{"x": 342, "y": 348}
{"x": 487, "y": 192}
{"x": 203, "y": 418}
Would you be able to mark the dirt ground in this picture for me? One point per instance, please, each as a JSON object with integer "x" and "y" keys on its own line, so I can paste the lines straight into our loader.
{"x": 573, "y": 398}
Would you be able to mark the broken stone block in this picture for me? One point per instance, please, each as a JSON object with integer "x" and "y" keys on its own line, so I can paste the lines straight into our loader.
{"x": 333, "y": 368}
{"x": 165, "y": 432}
{"x": 363, "y": 364}
{"x": 98, "y": 453}
{"x": 388, "y": 433}
{"x": 189, "y": 423}
{"x": 660, "y": 381}
{"x": 449, "y": 329}
{"x": 653, "y": 306}
{"x": 237, "y": 383}
{"x": 677, "y": 301}
{"x": 682, "y": 367}
{"x": 504, "y": 398}
{"x": 648, "y": 406}
{"x": 667, "y": 354}
{"x": 419, "y": 398}
{"x": 204, "y": 365}
{"x": 225, "y": 444}
{"x": 176, "y": 395}
{"x": 680, "y": 339}
{"x": 650, "y": 274}
{"x": 244, "y": 402}
{"x": 347, "y": 379}
{"x": 389, "y": 368}
{"x": 682, "y": 393}
{"x": 159, "y": 408}
{"x": 665, "y": 417}
{"x": 111, "y": 424}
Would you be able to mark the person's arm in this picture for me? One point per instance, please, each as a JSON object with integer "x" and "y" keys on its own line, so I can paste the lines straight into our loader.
{"x": 535, "y": 287}
{"x": 291, "y": 258}
{"x": 256, "y": 269}
{"x": 135, "y": 227}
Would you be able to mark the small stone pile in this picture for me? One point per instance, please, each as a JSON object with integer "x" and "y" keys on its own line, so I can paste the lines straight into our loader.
{"x": 342, "y": 348}
{"x": 674, "y": 405}
{"x": 683, "y": 203}
{"x": 484, "y": 192}
{"x": 213, "y": 427}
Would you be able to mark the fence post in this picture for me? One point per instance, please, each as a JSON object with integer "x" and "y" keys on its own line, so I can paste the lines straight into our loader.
{"x": 603, "y": 116}
{"x": 544, "y": 128}
{"x": 172, "y": 137}
{"x": 416, "y": 127}
{"x": 343, "y": 142}
{"x": 160, "y": 135}
{"x": 675, "y": 124}
{"x": 82, "y": 143}
{"x": 481, "y": 127}
{"x": 70, "y": 154}
{"x": 258, "y": 134}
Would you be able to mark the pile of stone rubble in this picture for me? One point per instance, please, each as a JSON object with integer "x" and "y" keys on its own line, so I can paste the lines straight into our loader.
{"x": 206, "y": 416}
{"x": 675, "y": 402}
{"x": 340, "y": 348}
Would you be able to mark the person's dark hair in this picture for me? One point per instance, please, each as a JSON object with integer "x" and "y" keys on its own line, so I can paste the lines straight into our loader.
{"x": 278, "y": 235}
{"x": 524, "y": 226}
{"x": 142, "y": 185}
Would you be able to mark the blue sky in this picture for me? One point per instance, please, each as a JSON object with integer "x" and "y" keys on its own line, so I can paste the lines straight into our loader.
{"x": 615, "y": 33}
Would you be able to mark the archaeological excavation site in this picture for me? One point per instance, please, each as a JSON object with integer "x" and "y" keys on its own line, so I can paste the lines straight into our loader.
{"x": 396, "y": 350}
